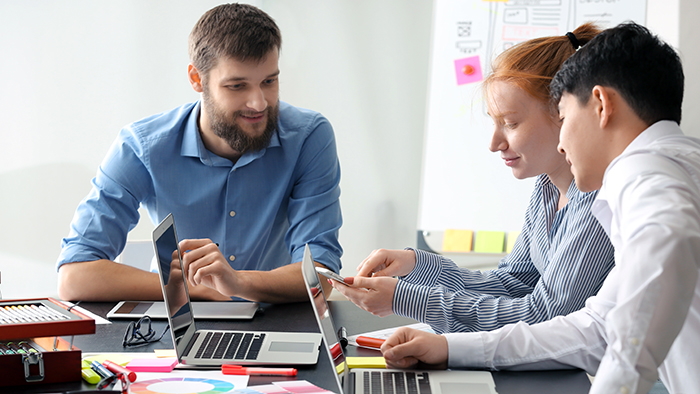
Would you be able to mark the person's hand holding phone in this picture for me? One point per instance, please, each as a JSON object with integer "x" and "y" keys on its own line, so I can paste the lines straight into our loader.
{"x": 331, "y": 275}
{"x": 383, "y": 262}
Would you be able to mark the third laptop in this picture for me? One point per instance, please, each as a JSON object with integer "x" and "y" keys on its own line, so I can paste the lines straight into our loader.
{"x": 384, "y": 381}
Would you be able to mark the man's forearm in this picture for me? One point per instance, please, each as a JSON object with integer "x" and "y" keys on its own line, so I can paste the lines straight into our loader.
{"x": 104, "y": 280}
{"x": 281, "y": 285}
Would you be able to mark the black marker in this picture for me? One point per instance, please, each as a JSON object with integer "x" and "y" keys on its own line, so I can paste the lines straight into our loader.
{"x": 26, "y": 346}
{"x": 13, "y": 346}
{"x": 343, "y": 336}
{"x": 5, "y": 350}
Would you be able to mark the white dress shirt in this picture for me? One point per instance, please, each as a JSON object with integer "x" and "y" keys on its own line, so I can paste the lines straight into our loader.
{"x": 645, "y": 321}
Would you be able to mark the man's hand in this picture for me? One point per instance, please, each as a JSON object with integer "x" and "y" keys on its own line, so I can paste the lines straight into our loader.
{"x": 382, "y": 262}
{"x": 205, "y": 265}
{"x": 407, "y": 347}
{"x": 375, "y": 295}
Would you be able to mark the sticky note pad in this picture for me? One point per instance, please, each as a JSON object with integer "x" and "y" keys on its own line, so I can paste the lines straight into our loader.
{"x": 457, "y": 241}
{"x": 119, "y": 358}
{"x": 512, "y": 236}
{"x": 152, "y": 364}
{"x": 489, "y": 241}
{"x": 366, "y": 362}
{"x": 468, "y": 70}
{"x": 160, "y": 353}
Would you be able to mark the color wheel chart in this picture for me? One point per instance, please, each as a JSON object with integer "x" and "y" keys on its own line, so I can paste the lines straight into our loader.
{"x": 181, "y": 386}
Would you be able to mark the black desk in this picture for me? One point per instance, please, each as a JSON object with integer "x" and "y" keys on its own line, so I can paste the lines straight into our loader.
{"x": 299, "y": 317}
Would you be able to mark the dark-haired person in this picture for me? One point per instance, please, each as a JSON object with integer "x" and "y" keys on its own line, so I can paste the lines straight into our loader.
{"x": 621, "y": 133}
{"x": 562, "y": 254}
{"x": 237, "y": 168}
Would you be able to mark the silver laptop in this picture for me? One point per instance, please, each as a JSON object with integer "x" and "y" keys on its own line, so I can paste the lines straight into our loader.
{"x": 200, "y": 348}
{"x": 212, "y": 310}
{"x": 384, "y": 381}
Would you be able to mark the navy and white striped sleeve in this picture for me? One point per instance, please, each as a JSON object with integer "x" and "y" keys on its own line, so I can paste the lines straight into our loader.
{"x": 459, "y": 300}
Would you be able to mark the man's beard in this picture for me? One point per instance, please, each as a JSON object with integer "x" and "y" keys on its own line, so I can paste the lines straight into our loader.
{"x": 226, "y": 127}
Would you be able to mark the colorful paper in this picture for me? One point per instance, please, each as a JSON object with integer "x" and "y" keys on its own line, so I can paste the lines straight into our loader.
{"x": 457, "y": 240}
{"x": 366, "y": 362}
{"x": 152, "y": 364}
{"x": 512, "y": 236}
{"x": 489, "y": 241}
{"x": 468, "y": 70}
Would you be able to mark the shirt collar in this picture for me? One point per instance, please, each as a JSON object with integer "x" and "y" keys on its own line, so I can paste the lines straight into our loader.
{"x": 572, "y": 193}
{"x": 193, "y": 146}
{"x": 601, "y": 207}
{"x": 652, "y": 133}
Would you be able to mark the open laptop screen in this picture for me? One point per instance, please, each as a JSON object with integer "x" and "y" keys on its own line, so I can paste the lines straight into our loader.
{"x": 177, "y": 301}
{"x": 323, "y": 318}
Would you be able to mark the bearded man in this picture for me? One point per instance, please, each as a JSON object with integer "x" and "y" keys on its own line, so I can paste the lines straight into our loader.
{"x": 249, "y": 180}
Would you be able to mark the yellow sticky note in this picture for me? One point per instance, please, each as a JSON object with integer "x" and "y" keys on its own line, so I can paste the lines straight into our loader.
{"x": 489, "y": 241}
{"x": 165, "y": 353}
{"x": 512, "y": 236}
{"x": 366, "y": 362}
{"x": 340, "y": 368}
{"x": 119, "y": 358}
{"x": 457, "y": 241}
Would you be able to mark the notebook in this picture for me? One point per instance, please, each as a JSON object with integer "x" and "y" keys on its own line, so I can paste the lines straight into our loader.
{"x": 384, "y": 381}
{"x": 212, "y": 348}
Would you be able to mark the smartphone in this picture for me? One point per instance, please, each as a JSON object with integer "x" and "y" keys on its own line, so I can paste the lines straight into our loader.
{"x": 331, "y": 275}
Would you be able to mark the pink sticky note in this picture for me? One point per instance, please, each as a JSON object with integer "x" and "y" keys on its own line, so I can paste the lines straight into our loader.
{"x": 152, "y": 364}
{"x": 468, "y": 70}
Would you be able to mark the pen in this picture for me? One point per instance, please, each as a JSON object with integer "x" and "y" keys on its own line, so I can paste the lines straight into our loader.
{"x": 15, "y": 316}
{"x": 101, "y": 370}
{"x": 343, "y": 336}
{"x": 88, "y": 374}
{"x": 116, "y": 368}
{"x": 241, "y": 370}
{"x": 23, "y": 313}
{"x": 374, "y": 343}
{"x": 30, "y": 312}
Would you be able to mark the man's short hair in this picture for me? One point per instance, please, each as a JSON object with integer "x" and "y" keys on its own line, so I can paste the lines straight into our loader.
{"x": 238, "y": 31}
{"x": 646, "y": 72}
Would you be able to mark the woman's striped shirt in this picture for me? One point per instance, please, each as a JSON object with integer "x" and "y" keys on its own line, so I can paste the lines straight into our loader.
{"x": 559, "y": 260}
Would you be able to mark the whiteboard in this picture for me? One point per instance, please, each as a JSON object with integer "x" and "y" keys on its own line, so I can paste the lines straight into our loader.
{"x": 464, "y": 185}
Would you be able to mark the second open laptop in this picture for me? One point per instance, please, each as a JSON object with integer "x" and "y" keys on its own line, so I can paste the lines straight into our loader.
{"x": 212, "y": 348}
{"x": 383, "y": 381}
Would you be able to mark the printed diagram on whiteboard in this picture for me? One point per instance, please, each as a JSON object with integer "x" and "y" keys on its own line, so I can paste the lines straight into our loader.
{"x": 464, "y": 185}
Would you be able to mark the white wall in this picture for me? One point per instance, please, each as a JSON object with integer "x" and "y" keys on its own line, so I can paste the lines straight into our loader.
{"x": 74, "y": 72}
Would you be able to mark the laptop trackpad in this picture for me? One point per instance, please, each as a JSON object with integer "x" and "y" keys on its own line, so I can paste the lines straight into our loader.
{"x": 299, "y": 347}
{"x": 461, "y": 388}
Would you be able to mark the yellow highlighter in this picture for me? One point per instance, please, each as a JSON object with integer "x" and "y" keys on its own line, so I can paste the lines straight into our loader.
{"x": 89, "y": 375}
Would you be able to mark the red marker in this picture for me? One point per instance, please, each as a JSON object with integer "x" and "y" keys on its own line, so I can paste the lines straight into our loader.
{"x": 336, "y": 351}
{"x": 116, "y": 369}
{"x": 241, "y": 370}
{"x": 369, "y": 342}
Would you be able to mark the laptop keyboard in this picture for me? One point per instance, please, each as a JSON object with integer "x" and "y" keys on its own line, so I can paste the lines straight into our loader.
{"x": 377, "y": 382}
{"x": 229, "y": 345}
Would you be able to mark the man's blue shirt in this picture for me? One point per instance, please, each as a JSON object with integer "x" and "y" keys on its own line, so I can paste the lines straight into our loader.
{"x": 261, "y": 210}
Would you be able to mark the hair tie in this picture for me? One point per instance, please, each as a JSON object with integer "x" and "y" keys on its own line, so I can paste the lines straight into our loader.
{"x": 574, "y": 40}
